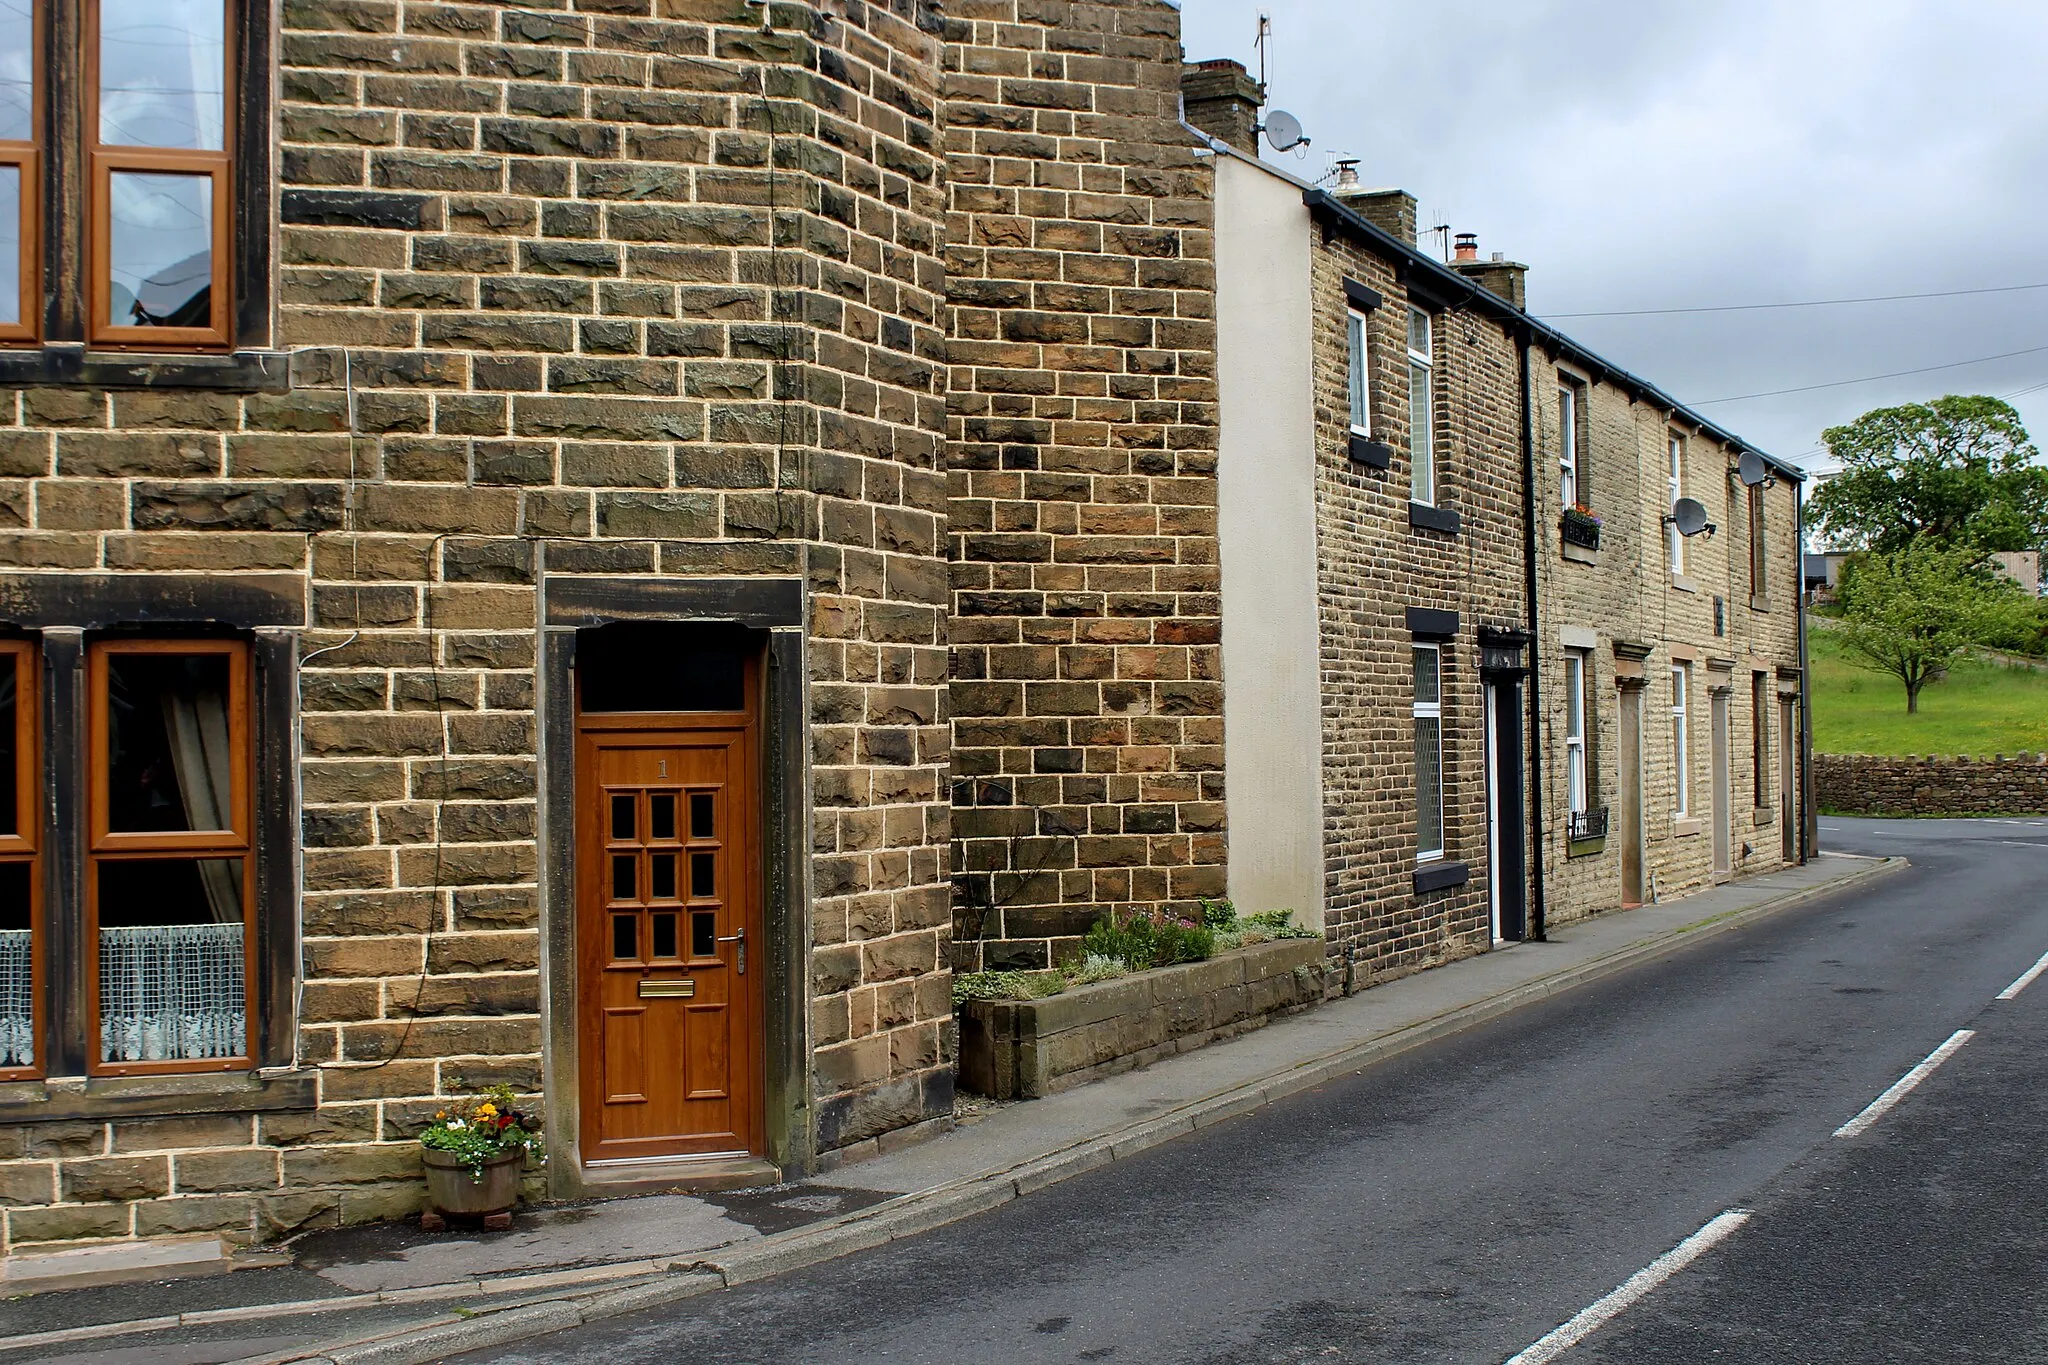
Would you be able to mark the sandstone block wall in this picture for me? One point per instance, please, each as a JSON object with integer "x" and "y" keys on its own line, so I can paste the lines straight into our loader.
{"x": 627, "y": 290}
{"x": 1908, "y": 784}
{"x": 1376, "y": 565}
{"x": 1624, "y": 593}
{"x": 1087, "y": 758}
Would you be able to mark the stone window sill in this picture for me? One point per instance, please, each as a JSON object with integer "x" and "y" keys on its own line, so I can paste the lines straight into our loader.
{"x": 1683, "y": 827}
{"x": 1438, "y": 875}
{"x": 1758, "y": 602}
{"x": 97, "y": 1098}
{"x": 75, "y": 367}
{"x": 1585, "y": 848}
{"x": 1764, "y": 815}
{"x": 1579, "y": 554}
{"x": 1365, "y": 451}
{"x": 1423, "y": 516}
{"x": 1681, "y": 583}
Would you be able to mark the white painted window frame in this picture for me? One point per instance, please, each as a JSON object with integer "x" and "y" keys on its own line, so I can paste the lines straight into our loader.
{"x": 1433, "y": 710}
{"x": 1568, "y": 441}
{"x": 1578, "y": 787}
{"x": 1675, "y": 485}
{"x": 1421, "y": 409}
{"x": 1681, "y": 745}
{"x": 1358, "y": 373}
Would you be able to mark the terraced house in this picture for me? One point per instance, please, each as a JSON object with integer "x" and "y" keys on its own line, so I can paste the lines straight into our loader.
{"x": 477, "y": 597}
{"x": 1487, "y": 671}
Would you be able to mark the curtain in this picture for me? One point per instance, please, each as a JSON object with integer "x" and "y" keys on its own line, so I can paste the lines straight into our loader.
{"x": 176, "y": 991}
{"x": 17, "y": 1013}
{"x": 202, "y": 751}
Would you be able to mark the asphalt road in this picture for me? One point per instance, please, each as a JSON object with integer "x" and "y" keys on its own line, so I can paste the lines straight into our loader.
{"x": 1462, "y": 1201}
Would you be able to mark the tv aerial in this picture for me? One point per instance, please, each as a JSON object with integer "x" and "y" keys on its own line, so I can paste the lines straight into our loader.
{"x": 1282, "y": 129}
{"x": 1689, "y": 515}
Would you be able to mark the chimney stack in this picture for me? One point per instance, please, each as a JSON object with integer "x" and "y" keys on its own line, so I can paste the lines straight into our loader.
{"x": 1222, "y": 99}
{"x": 1498, "y": 275}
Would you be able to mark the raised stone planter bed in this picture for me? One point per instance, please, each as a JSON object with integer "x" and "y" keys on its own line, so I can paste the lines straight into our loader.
{"x": 1023, "y": 1049}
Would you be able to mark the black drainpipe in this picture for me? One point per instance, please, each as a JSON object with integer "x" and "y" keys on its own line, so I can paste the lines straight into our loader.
{"x": 1808, "y": 831}
{"x": 1536, "y": 899}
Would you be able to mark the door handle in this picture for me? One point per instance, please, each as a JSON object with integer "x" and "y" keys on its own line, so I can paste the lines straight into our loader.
{"x": 740, "y": 954}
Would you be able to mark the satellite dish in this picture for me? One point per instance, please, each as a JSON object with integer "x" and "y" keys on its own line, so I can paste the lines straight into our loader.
{"x": 1753, "y": 469}
{"x": 1283, "y": 131}
{"x": 1689, "y": 515}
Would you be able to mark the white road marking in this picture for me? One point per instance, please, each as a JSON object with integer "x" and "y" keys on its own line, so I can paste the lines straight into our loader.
{"x": 1632, "y": 1290}
{"x": 2026, "y": 979}
{"x": 2019, "y": 843}
{"x": 1905, "y": 1084}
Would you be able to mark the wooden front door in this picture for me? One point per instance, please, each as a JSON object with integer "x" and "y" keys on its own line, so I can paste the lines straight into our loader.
{"x": 668, "y": 933}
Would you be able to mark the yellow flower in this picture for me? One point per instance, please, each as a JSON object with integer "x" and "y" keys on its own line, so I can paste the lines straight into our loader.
{"x": 486, "y": 1110}
{"x": 440, "y": 1113}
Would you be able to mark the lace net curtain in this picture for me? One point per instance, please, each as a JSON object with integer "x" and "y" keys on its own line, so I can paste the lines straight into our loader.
{"x": 175, "y": 991}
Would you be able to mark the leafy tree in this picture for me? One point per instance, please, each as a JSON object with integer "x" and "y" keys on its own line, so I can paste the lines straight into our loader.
{"x": 1960, "y": 470}
{"x": 1910, "y": 612}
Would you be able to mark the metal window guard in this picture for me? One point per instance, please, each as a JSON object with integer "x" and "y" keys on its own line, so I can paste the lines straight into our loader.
{"x": 1586, "y": 824}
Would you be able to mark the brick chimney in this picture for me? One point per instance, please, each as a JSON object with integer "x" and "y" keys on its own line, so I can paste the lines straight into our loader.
{"x": 1222, "y": 99}
{"x": 1496, "y": 275}
{"x": 1391, "y": 211}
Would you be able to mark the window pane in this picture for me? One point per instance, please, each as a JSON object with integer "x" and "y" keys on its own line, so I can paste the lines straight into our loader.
{"x": 1424, "y": 476}
{"x": 1575, "y": 776}
{"x": 662, "y": 877}
{"x": 701, "y": 815}
{"x": 703, "y": 874}
{"x": 171, "y": 960}
{"x": 17, "y": 70}
{"x": 170, "y": 742}
{"x": 664, "y": 936}
{"x": 1574, "y": 699}
{"x": 1356, "y": 335}
{"x": 161, "y": 259}
{"x": 1418, "y": 332}
{"x": 1429, "y": 785}
{"x": 17, "y": 967}
{"x": 10, "y": 241}
{"x": 163, "y": 73}
{"x": 10, "y": 817}
{"x": 624, "y": 821}
{"x": 638, "y": 666}
{"x": 662, "y": 816}
{"x": 1426, "y": 684}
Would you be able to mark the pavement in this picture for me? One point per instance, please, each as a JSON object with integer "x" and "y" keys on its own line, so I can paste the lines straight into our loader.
{"x": 392, "y": 1295}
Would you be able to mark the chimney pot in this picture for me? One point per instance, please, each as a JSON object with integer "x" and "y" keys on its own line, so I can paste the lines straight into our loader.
{"x": 1467, "y": 247}
{"x": 1347, "y": 171}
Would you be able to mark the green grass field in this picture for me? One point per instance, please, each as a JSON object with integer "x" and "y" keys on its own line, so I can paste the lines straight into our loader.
{"x": 1980, "y": 708}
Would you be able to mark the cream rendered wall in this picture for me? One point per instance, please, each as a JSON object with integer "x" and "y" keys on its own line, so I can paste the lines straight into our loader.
{"x": 1267, "y": 523}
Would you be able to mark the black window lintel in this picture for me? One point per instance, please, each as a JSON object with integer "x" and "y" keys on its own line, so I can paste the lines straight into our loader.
{"x": 1432, "y": 623}
{"x": 1437, "y": 876}
{"x": 1362, "y": 298}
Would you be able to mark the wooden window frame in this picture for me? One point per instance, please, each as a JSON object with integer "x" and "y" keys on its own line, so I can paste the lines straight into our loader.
{"x": 104, "y": 845}
{"x": 1761, "y": 718}
{"x": 63, "y": 338}
{"x": 25, "y": 844}
{"x": 106, "y": 160}
{"x": 1681, "y": 739}
{"x": 26, "y": 158}
{"x": 1674, "y": 483}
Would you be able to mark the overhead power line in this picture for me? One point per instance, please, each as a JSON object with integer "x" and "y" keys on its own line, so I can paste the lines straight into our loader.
{"x": 1870, "y": 378}
{"x": 1803, "y": 303}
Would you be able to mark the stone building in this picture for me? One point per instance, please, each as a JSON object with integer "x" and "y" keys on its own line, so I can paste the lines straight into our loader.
{"x": 479, "y": 488}
{"x": 1462, "y": 517}
{"x": 1673, "y": 718}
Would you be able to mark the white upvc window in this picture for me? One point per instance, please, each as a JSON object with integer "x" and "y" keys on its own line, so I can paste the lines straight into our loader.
{"x": 1355, "y": 364}
{"x": 1421, "y": 427}
{"x": 1676, "y": 489}
{"x": 1429, "y": 754}
{"x": 1568, "y": 442}
{"x": 1681, "y": 756}
{"x": 1577, "y": 795}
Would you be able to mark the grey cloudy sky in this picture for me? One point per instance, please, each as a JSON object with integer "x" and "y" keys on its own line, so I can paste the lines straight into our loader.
{"x": 1661, "y": 154}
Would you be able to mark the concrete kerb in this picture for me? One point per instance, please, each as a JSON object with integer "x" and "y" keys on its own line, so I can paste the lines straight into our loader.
{"x": 925, "y": 1210}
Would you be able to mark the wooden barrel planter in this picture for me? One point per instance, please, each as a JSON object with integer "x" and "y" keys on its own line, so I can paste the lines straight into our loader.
{"x": 451, "y": 1189}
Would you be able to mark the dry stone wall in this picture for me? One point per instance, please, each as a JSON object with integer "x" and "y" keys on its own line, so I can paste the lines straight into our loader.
{"x": 1907, "y": 784}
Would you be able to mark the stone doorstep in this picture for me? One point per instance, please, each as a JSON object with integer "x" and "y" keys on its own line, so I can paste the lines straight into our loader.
{"x": 114, "y": 1263}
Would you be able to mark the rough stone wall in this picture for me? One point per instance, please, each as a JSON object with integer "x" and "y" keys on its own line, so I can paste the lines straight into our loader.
{"x": 1086, "y": 695}
{"x": 1908, "y": 784}
{"x": 1625, "y": 593}
{"x": 1375, "y": 565}
{"x": 532, "y": 261}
